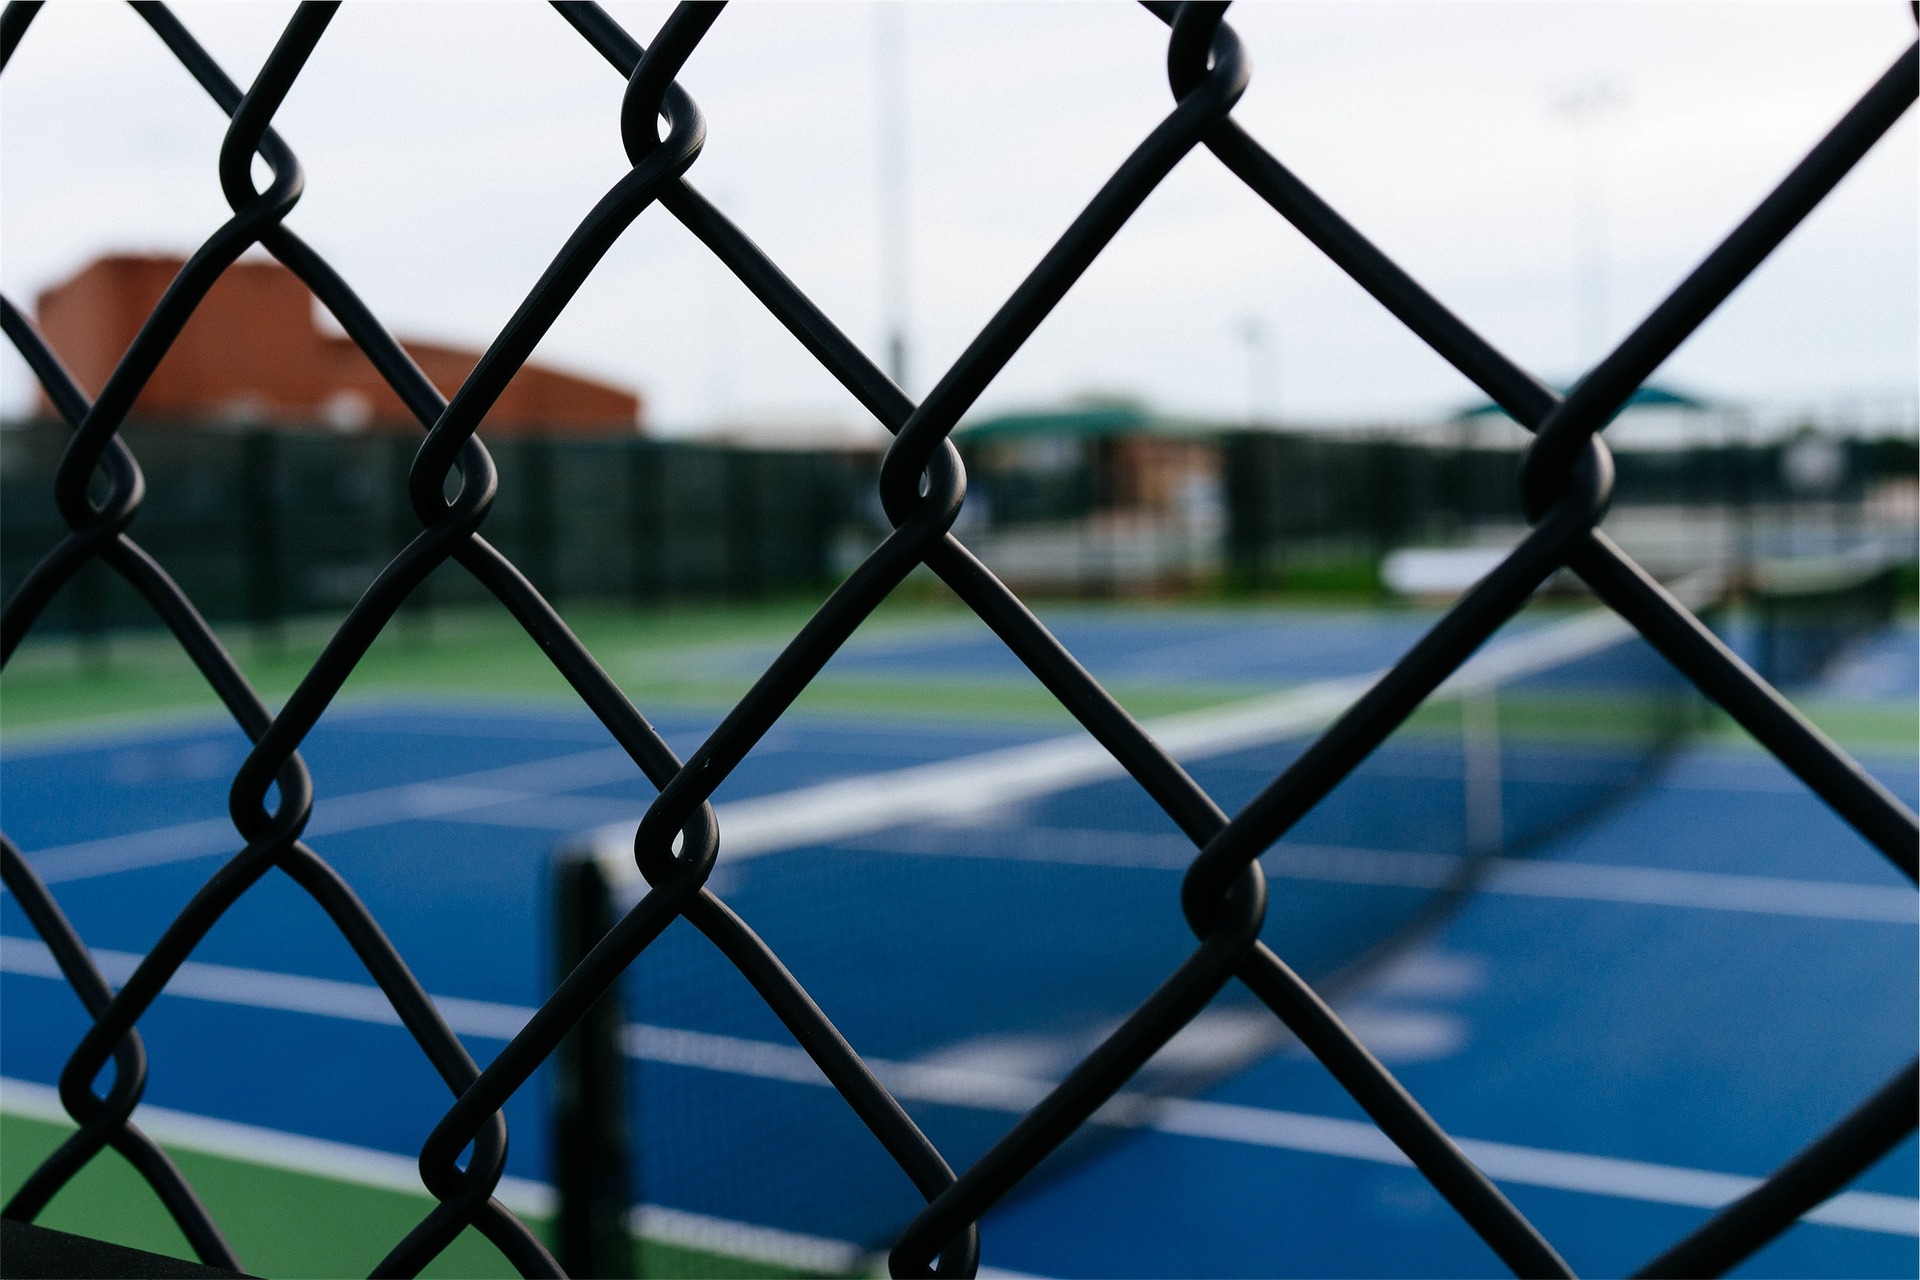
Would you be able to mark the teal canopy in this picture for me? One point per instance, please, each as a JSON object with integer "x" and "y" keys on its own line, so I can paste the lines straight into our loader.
{"x": 1093, "y": 421}
{"x": 1650, "y": 396}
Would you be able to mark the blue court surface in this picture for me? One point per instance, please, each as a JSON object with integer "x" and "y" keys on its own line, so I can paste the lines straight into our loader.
{"x": 1181, "y": 646}
{"x": 1661, "y": 987}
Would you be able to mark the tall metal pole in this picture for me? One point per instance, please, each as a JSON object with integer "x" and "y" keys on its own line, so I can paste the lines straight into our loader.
{"x": 722, "y": 337}
{"x": 1261, "y": 401}
{"x": 1583, "y": 109}
{"x": 890, "y": 85}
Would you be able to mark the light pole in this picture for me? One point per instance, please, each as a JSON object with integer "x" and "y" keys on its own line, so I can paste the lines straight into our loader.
{"x": 890, "y": 85}
{"x": 1583, "y": 108}
{"x": 1261, "y": 371}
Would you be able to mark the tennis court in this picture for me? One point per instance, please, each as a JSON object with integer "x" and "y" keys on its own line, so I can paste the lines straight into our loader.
{"x": 975, "y": 953}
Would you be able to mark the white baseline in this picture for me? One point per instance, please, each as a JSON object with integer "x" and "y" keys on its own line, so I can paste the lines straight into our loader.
{"x": 918, "y": 1082}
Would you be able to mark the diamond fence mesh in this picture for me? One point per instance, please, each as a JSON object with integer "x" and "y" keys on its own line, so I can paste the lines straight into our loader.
{"x": 1566, "y": 484}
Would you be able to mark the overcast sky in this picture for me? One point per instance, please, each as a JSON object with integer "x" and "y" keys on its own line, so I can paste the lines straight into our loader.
{"x": 449, "y": 150}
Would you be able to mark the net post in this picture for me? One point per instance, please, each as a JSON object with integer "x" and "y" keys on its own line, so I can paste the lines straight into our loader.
{"x": 591, "y": 1142}
{"x": 1484, "y": 798}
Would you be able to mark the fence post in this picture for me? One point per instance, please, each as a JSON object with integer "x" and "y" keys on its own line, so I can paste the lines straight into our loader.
{"x": 92, "y": 641}
{"x": 416, "y": 612}
{"x": 536, "y": 515}
{"x": 822, "y": 517}
{"x": 260, "y": 521}
{"x": 741, "y": 511}
{"x": 647, "y": 575}
{"x": 1244, "y": 466}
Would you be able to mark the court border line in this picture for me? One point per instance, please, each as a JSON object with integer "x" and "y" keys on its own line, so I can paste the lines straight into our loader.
{"x": 387, "y": 1171}
{"x": 1607, "y": 1176}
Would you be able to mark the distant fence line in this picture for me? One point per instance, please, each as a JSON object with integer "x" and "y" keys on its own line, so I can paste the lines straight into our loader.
{"x": 261, "y": 526}
{"x": 1288, "y": 495}
{"x": 1322, "y": 481}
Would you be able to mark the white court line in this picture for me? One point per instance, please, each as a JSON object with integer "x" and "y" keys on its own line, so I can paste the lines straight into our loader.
{"x": 443, "y": 797}
{"x": 744, "y": 1240}
{"x": 285, "y": 992}
{"x": 1712, "y": 891}
{"x": 551, "y": 813}
{"x": 367, "y": 1167}
{"x": 1283, "y": 1130}
{"x": 963, "y": 1087}
{"x": 1529, "y": 1166}
{"x": 973, "y": 785}
{"x": 851, "y": 806}
{"x": 272, "y": 1147}
{"x": 1512, "y": 877}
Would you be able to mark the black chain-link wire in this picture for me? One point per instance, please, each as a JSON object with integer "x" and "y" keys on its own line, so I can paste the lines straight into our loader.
{"x": 1565, "y": 485}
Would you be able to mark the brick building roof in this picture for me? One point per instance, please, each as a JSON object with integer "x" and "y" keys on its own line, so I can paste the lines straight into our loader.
{"x": 253, "y": 354}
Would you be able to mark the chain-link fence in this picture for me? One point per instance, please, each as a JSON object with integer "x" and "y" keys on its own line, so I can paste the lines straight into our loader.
{"x": 1566, "y": 484}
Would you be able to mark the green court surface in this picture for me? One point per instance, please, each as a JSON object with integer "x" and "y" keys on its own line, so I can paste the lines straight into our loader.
{"x": 702, "y": 656}
{"x": 670, "y": 657}
{"x": 289, "y": 1223}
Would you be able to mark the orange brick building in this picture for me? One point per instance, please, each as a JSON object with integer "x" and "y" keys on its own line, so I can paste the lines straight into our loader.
{"x": 252, "y": 354}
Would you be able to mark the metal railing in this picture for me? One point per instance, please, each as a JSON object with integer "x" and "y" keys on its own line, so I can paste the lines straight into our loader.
{"x": 1566, "y": 483}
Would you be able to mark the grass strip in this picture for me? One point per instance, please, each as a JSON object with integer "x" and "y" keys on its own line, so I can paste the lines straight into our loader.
{"x": 285, "y": 1223}
{"x": 706, "y": 657}
{"x": 702, "y": 658}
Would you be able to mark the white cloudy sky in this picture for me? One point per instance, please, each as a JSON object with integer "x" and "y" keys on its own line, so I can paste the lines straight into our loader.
{"x": 449, "y": 150}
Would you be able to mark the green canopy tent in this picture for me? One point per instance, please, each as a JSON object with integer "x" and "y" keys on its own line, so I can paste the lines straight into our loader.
{"x": 1086, "y": 422}
{"x": 1650, "y": 396}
